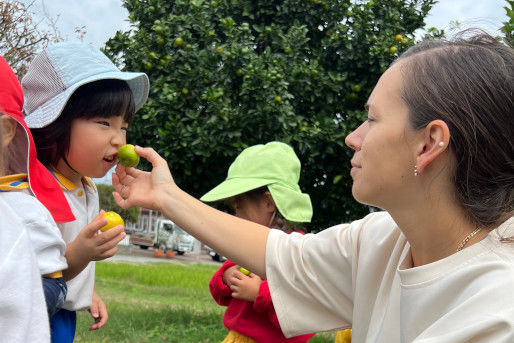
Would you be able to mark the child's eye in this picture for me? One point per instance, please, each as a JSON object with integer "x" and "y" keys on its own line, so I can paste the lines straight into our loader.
{"x": 106, "y": 123}
{"x": 125, "y": 128}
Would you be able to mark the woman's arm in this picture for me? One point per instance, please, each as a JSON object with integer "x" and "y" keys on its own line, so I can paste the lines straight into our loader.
{"x": 242, "y": 241}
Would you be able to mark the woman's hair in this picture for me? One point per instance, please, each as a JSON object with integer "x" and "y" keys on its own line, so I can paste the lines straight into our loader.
{"x": 469, "y": 84}
{"x": 104, "y": 98}
{"x": 279, "y": 221}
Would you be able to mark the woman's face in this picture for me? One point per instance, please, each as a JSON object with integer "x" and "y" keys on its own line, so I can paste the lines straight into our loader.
{"x": 383, "y": 163}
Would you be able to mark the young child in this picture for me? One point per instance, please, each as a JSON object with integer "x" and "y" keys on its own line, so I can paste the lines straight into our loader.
{"x": 261, "y": 186}
{"x": 78, "y": 106}
{"x": 23, "y": 315}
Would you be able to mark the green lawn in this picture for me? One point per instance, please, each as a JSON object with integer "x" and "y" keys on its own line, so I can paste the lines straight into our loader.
{"x": 158, "y": 302}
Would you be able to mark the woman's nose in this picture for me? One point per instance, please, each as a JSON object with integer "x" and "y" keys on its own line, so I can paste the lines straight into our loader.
{"x": 353, "y": 140}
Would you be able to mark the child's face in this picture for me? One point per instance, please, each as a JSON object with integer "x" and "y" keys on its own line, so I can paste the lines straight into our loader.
{"x": 255, "y": 210}
{"x": 94, "y": 144}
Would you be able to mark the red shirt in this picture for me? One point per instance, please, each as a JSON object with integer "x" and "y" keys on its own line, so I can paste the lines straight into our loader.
{"x": 256, "y": 320}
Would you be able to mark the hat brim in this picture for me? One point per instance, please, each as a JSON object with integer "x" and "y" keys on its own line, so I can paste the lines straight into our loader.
{"x": 294, "y": 205}
{"x": 233, "y": 187}
{"x": 48, "y": 112}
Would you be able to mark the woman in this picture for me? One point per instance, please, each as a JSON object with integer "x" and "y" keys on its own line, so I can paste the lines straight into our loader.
{"x": 436, "y": 154}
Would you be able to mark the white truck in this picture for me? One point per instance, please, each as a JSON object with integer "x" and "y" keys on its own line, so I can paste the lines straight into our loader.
{"x": 153, "y": 230}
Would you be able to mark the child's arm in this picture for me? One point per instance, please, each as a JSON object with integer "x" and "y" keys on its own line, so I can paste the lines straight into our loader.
{"x": 240, "y": 240}
{"x": 89, "y": 246}
{"x": 220, "y": 291}
{"x": 98, "y": 311}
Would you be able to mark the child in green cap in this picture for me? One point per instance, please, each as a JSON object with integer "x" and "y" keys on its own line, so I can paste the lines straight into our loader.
{"x": 261, "y": 186}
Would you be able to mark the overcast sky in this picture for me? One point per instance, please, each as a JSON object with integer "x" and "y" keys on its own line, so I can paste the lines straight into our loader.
{"x": 102, "y": 18}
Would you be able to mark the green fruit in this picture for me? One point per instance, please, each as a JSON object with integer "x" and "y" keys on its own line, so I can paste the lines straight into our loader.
{"x": 405, "y": 41}
{"x": 128, "y": 156}
{"x": 356, "y": 88}
{"x": 278, "y": 99}
{"x": 160, "y": 41}
{"x": 179, "y": 42}
{"x": 185, "y": 91}
{"x": 393, "y": 50}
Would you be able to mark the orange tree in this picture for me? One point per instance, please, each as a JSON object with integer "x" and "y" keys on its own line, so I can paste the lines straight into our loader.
{"x": 227, "y": 74}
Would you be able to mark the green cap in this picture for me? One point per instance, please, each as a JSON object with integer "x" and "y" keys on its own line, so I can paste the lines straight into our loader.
{"x": 274, "y": 165}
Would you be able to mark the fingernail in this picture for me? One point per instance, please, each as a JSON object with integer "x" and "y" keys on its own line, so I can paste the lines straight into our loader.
{"x": 95, "y": 315}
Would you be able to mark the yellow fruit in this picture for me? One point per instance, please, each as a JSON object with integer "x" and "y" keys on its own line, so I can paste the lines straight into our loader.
{"x": 244, "y": 271}
{"x": 185, "y": 91}
{"x": 393, "y": 50}
{"x": 356, "y": 88}
{"x": 128, "y": 156}
{"x": 278, "y": 99}
{"x": 113, "y": 219}
{"x": 398, "y": 37}
{"x": 344, "y": 336}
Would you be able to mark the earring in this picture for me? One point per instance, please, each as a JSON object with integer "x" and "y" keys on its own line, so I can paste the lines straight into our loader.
{"x": 441, "y": 144}
{"x": 415, "y": 170}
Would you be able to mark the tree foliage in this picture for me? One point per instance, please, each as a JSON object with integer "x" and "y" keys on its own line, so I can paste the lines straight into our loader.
{"x": 107, "y": 203}
{"x": 228, "y": 74}
{"x": 508, "y": 26}
{"x": 21, "y": 36}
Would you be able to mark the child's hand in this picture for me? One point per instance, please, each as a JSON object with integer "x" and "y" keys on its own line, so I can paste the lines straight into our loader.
{"x": 245, "y": 287}
{"x": 92, "y": 246}
{"x": 98, "y": 311}
{"x": 229, "y": 273}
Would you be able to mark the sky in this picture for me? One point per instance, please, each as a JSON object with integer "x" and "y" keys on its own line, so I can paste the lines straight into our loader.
{"x": 102, "y": 18}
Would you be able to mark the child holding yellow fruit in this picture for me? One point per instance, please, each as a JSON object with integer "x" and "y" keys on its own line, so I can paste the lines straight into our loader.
{"x": 261, "y": 186}
{"x": 79, "y": 113}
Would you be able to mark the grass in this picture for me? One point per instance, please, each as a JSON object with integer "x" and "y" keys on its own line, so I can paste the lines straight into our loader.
{"x": 158, "y": 302}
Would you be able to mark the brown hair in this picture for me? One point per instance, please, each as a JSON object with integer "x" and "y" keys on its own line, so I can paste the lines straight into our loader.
{"x": 468, "y": 82}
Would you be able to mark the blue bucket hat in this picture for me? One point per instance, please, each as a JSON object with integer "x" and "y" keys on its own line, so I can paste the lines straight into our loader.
{"x": 60, "y": 69}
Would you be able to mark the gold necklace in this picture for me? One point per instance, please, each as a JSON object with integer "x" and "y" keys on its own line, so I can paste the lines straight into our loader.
{"x": 468, "y": 237}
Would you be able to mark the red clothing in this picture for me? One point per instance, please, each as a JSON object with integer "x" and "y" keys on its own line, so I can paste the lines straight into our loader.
{"x": 41, "y": 182}
{"x": 256, "y": 320}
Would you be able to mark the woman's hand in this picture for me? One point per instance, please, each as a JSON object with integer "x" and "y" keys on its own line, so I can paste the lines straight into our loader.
{"x": 245, "y": 287}
{"x": 138, "y": 188}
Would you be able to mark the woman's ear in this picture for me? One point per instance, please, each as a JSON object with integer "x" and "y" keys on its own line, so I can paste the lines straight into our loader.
{"x": 436, "y": 137}
{"x": 8, "y": 126}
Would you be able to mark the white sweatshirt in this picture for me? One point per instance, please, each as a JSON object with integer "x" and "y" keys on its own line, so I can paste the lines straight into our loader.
{"x": 23, "y": 315}
{"x": 360, "y": 275}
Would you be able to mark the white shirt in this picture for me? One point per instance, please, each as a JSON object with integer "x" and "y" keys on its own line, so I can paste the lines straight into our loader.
{"x": 49, "y": 247}
{"x": 360, "y": 275}
{"x": 23, "y": 315}
{"x": 83, "y": 201}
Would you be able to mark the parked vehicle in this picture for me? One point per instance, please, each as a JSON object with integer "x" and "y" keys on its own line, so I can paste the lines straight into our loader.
{"x": 215, "y": 256}
{"x": 161, "y": 233}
